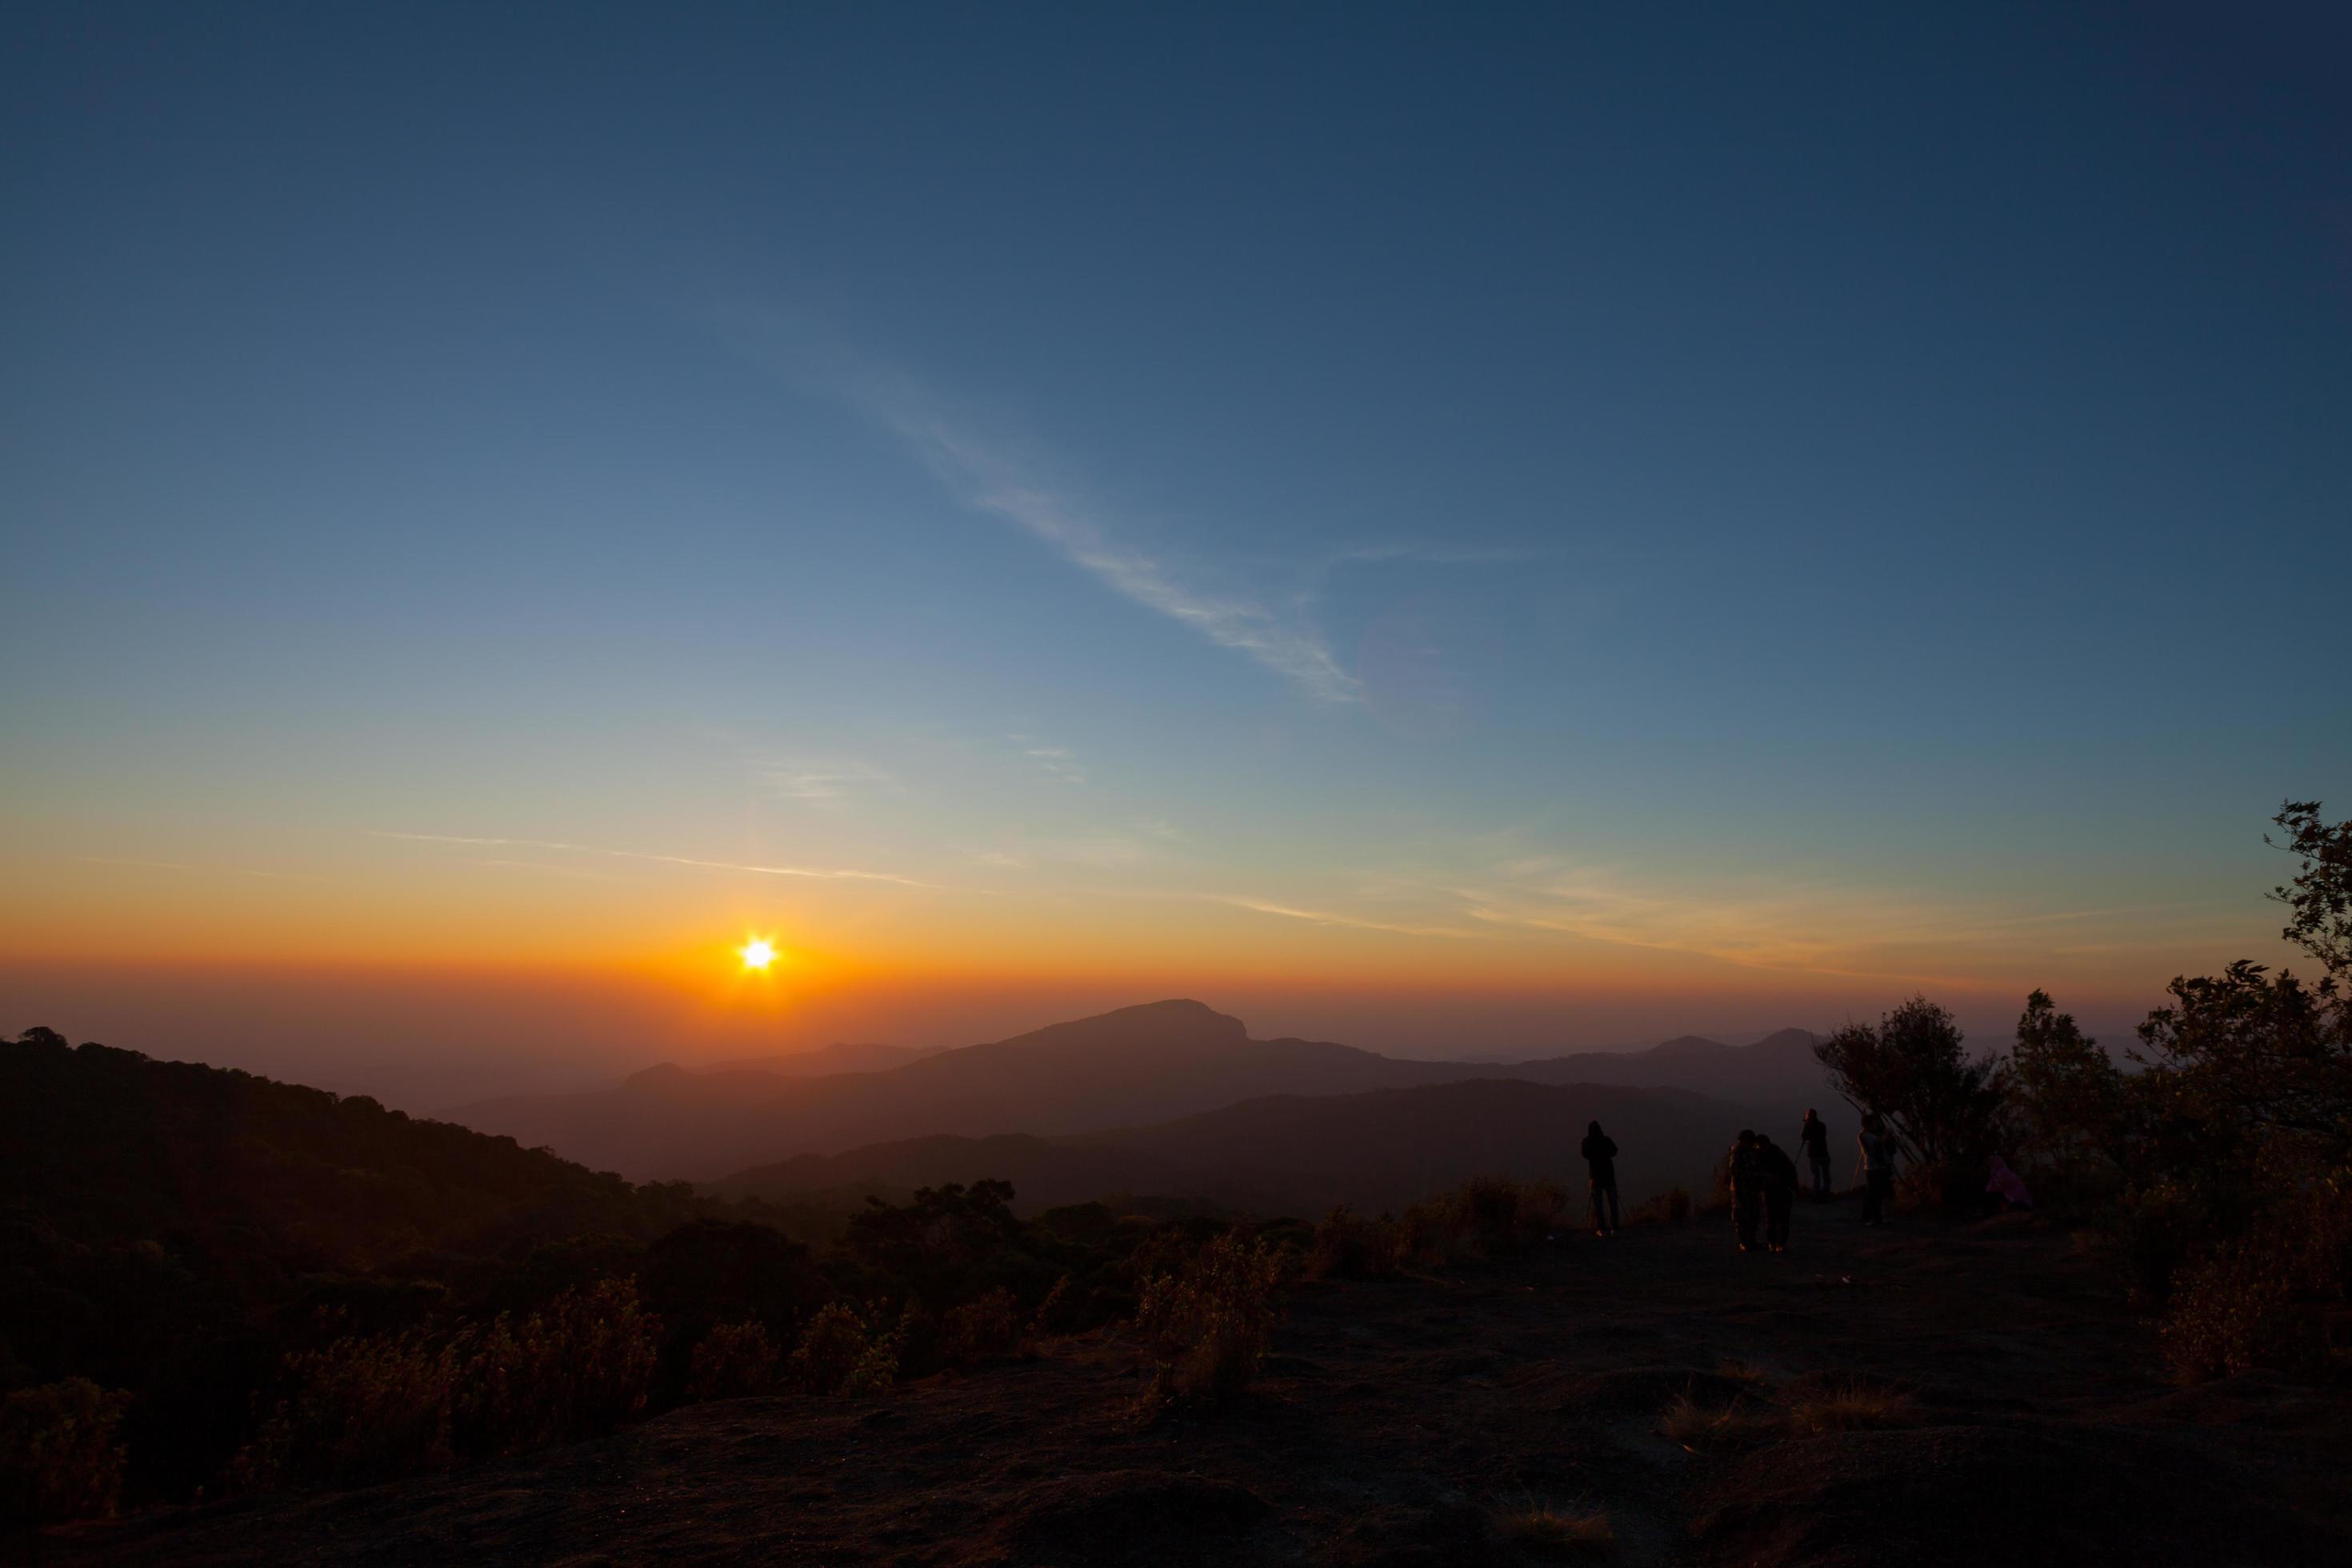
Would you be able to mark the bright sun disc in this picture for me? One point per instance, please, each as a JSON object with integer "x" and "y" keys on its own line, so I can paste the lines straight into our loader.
{"x": 757, "y": 953}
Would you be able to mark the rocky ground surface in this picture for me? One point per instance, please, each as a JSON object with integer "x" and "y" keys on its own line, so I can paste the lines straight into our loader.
{"x": 1414, "y": 1421}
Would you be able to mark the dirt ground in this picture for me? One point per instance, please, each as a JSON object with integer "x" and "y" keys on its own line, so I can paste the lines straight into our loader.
{"x": 1409, "y": 1422}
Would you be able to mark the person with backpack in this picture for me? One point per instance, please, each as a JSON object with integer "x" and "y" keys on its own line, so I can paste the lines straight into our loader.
{"x": 1877, "y": 1147}
{"x": 1600, "y": 1164}
{"x": 1780, "y": 1192}
{"x": 1746, "y": 1188}
{"x": 1814, "y": 1138}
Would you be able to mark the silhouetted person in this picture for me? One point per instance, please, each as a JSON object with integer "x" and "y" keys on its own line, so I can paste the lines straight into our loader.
{"x": 1877, "y": 1147}
{"x": 2006, "y": 1189}
{"x": 1815, "y": 1137}
{"x": 1780, "y": 1191}
{"x": 1746, "y": 1188}
{"x": 1600, "y": 1164}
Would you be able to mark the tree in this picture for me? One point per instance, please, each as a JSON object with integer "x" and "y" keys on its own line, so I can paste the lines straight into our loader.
{"x": 2070, "y": 1094}
{"x": 1909, "y": 1068}
{"x": 2321, "y": 894}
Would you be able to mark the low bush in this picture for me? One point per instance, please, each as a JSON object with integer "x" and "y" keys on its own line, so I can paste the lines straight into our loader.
{"x": 1850, "y": 1407}
{"x": 394, "y": 1404}
{"x": 1491, "y": 1216}
{"x": 1671, "y": 1206}
{"x": 1348, "y": 1246}
{"x": 840, "y": 1353}
{"x": 58, "y": 1456}
{"x": 2274, "y": 1296}
{"x": 1742, "y": 1424}
{"x": 1558, "y": 1532}
{"x": 732, "y": 1360}
{"x": 988, "y": 1326}
{"x": 1208, "y": 1325}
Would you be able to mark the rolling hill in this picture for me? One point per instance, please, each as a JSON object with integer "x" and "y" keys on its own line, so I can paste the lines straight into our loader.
{"x": 1136, "y": 1067}
{"x": 1380, "y": 1149}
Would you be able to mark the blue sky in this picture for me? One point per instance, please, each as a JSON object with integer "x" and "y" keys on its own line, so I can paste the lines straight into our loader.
{"x": 1526, "y": 473}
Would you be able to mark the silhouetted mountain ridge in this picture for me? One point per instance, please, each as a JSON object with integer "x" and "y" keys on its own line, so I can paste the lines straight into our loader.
{"x": 1135, "y": 1067}
{"x": 1304, "y": 1153}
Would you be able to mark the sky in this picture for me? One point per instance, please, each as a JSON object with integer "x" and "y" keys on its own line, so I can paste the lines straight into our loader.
{"x": 1467, "y": 531}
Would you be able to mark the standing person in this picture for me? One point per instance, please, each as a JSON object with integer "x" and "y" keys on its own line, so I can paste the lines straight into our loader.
{"x": 1780, "y": 1191}
{"x": 1746, "y": 1188}
{"x": 2007, "y": 1190}
{"x": 1600, "y": 1164}
{"x": 1814, "y": 1136}
{"x": 1878, "y": 1170}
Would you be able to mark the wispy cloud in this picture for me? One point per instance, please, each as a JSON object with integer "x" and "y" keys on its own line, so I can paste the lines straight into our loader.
{"x": 1059, "y": 761}
{"x": 1325, "y": 918}
{"x": 819, "y": 873}
{"x": 989, "y": 477}
{"x": 830, "y": 780}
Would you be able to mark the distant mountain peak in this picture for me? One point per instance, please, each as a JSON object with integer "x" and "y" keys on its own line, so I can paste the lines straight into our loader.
{"x": 1687, "y": 1045}
{"x": 1176, "y": 1018}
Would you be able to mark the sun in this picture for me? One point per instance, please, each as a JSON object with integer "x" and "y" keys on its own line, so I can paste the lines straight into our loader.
{"x": 757, "y": 953}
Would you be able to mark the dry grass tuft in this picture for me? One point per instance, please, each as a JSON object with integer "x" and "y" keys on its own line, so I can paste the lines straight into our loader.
{"x": 1851, "y": 1408}
{"x": 1742, "y": 1424}
{"x": 1560, "y": 1532}
{"x": 1748, "y": 1372}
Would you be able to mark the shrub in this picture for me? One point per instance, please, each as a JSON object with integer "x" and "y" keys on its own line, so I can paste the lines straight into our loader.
{"x": 1208, "y": 1325}
{"x": 1487, "y": 1217}
{"x": 841, "y": 1354}
{"x": 58, "y": 1456}
{"x": 1850, "y": 1407}
{"x": 1671, "y": 1206}
{"x": 393, "y": 1403}
{"x": 577, "y": 1368}
{"x": 1348, "y": 1246}
{"x": 830, "y": 1349}
{"x": 1742, "y": 1424}
{"x": 2266, "y": 1299}
{"x": 364, "y": 1407}
{"x": 1558, "y": 1532}
{"x": 988, "y": 1326}
{"x": 731, "y": 1360}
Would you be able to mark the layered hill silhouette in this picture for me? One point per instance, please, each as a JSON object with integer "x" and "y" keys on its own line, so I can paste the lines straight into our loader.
{"x": 842, "y": 1056}
{"x": 1137, "y": 1066}
{"x": 1301, "y": 1154}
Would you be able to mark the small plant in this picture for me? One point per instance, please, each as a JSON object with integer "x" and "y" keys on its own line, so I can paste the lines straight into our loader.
{"x": 988, "y": 1326}
{"x": 1748, "y": 1372}
{"x": 1851, "y": 1408}
{"x": 1742, "y": 1424}
{"x": 59, "y": 1457}
{"x": 1487, "y": 1217}
{"x": 1671, "y": 1206}
{"x": 837, "y": 1354}
{"x": 1050, "y": 1313}
{"x": 1348, "y": 1246}
{"x": 732, "y": 1360}
{"x": 1208, "y": 1325}
{"x": 1558, "y": 1532}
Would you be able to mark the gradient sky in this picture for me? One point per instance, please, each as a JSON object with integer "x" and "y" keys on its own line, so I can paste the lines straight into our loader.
{"x": 1454, "y": 531}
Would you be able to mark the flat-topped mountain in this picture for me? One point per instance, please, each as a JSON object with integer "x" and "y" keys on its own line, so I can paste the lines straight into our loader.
{"x": 1135, "y": 1067}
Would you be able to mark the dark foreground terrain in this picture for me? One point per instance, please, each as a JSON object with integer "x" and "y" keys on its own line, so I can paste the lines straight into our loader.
{"x": 1414, "y": 1421}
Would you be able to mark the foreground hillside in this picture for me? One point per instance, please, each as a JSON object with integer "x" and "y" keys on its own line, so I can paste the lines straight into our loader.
{"x": 1305, "y": 1154}
{"x": 1131, "y": 1068}
{"x": 1416, "y": 1421}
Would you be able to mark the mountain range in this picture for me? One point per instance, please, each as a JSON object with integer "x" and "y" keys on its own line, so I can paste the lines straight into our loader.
{"x": 1301, "y": 1154}
{"x": 1143, "y": 1067}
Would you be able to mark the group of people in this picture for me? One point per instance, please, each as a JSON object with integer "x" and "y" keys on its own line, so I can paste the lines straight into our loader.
{"x": 1764, "y": 1179}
